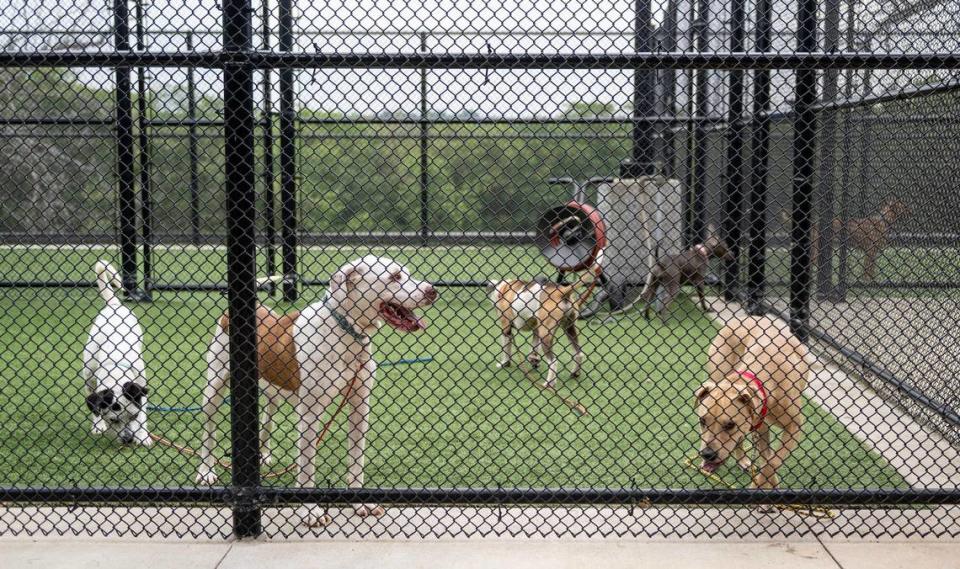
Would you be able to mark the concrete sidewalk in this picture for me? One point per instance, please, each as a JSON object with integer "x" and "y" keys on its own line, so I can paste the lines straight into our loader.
{"x": 56, "y": 553}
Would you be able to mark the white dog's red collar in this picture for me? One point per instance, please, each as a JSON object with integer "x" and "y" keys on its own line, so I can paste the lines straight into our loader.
{"x": 763, "y": 395}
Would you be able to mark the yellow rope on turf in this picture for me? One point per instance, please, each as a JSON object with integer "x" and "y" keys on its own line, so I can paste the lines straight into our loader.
{"x": 807, "y": 511}
{"x": 573, "y": 404}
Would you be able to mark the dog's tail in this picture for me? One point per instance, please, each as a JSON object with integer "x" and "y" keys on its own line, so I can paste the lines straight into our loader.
{"x": 108, "y": 282}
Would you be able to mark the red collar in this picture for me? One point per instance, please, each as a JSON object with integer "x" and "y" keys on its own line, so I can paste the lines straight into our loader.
{"x": 763, "y": 395}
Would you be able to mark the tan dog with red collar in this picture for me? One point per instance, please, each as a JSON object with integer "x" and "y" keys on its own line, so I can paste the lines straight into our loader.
{"x": 757, "y": 371}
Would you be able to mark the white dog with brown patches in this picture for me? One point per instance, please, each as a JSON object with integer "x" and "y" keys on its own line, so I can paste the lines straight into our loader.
{"x": 543, "y": 308}
{"x": 316, "y": 354}
{"x": 113, "y": 368}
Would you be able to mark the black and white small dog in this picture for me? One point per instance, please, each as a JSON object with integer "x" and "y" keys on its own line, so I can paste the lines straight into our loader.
{"x": 113, "y": 367}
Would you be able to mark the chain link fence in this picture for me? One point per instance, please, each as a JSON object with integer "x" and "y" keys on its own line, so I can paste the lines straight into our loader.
{"x": 360, "y": 269}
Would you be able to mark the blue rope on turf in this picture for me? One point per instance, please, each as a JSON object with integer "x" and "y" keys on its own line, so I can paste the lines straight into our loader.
{"x": 408, "y": 361}
{"x": 226, "y": 401}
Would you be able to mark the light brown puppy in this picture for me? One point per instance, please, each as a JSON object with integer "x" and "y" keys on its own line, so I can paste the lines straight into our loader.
{"x": 542, "y": 307}
{"x": 757, "y": 371}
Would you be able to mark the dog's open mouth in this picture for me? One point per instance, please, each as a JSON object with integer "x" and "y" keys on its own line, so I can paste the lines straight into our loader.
{"x": 401, "y": 317}
{"x": 710, "y": 467}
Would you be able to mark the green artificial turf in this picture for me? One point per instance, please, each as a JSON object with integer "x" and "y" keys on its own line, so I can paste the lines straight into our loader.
{"x": 454, "y": 421}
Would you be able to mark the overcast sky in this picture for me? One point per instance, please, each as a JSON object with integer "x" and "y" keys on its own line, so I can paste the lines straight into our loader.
{"x": 540, "y": 26}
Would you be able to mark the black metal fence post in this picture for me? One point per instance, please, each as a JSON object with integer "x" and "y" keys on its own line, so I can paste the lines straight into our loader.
{"x": 641, "y": 162}
{"x": 269, "y": 200}
{"x": 732, "y": 225}
{"x": 424, "y": 150}
{"x": 126, "y": 191}
{"x": 288, "y": 159}
{"x": 690, "y": 171}
{"x": 192, "y": 142}
{"x": 143, "y": 144}
{"x": 825, "y": 193}
{"x": 669, "y": 36}
{"x": 847, "y": 168}
{"x": 239, "y": 153}
{"x": 698, "y": 198}
{"x": 760, "y": 150}
{"x": 804, "y": 146}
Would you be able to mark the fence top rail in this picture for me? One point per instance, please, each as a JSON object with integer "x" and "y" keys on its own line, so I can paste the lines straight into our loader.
{"x": 516, "y": 61}
{"x": 448, "y": 32}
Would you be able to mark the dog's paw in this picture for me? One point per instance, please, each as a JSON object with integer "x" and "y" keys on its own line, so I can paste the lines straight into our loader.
{"x": 549, "y": 384}
{"x": 99, "y": 426}
{"x": 266, "y": 458}
{"x": 364, "y": 510}
{"x": 766, "y": 479}
{"x": 575, "y": 373}
{"x": 745, "y": 464}
{"x": 315, "y": 517}
{"x": 502, "y": 365}
{"x": 206, "y": 477}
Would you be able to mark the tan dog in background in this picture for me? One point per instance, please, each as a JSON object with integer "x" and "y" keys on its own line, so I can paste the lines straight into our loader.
{"x": 543, "y": 307}
{"x": 869, "y": 234}
{"x": 757, "y": 371}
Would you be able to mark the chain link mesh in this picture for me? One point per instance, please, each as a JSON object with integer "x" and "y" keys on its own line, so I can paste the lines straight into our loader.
{"x": 530, "y": 268}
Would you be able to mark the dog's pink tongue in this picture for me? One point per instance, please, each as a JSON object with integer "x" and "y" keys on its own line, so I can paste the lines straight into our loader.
{"x": 709, "y": 467}
{"x": 419, "y": 323}
{"x": 410, "y": 322}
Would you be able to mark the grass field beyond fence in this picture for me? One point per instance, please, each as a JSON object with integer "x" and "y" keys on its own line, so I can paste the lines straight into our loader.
{"x": 455, "y": 421}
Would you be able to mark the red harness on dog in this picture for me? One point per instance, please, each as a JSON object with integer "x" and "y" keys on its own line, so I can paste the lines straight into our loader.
{"x": 763, "y": 395}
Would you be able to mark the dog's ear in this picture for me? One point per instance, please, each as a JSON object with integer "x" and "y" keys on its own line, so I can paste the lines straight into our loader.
{"x": 704, "y": 390}
{"x": 345, "y": 278}
{"x": 134, "y": 392}
{"x": 100, "y": 400}
{"x": 93, "y": 402}
{"x": 751, "y": 398}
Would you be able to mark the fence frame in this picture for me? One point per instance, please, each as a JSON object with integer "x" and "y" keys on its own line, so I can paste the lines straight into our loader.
{"x": 239, "y": 60}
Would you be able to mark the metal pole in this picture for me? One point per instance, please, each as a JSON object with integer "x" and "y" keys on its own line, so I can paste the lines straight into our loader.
{"x": 424, "y": 149}
{"x": 670, "y": 90}
{"x": 732, "y": 225}
{"x": 699, "y": 197}
{"x": 688, "y": 153}
{"x": 288, "y": 159}
{"x": 269, "y": 200}
{"x": 192, "y": 142}
{"x": 804, "y": 147}
{"x": 661, "y": 104}
{"x": 841, "y": 290}
{"x": 126, "y": 190}
{"x": 865, "y": 174}
{"x": 143, "y": 138}
{"x": 825, "y": 198}
{"x": 641, "y": 158}
{"x": 760, "y": 151}
{"x": 239, "y": 153}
